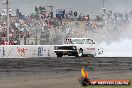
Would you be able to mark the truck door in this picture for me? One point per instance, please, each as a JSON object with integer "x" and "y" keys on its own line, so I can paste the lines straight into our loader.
{"x": 90, "y": 46}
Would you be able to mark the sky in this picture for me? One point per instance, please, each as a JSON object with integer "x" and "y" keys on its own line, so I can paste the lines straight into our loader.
{"x": 91, "y": 7}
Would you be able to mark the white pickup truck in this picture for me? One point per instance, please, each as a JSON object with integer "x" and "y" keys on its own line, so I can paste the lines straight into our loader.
{"x": 77, "y": 47}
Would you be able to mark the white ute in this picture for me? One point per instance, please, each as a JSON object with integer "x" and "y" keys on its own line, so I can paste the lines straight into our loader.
{"x": 77, "y": 47}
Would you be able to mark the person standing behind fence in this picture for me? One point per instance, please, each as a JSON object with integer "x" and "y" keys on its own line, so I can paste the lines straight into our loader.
{"x": 75, "y": 15}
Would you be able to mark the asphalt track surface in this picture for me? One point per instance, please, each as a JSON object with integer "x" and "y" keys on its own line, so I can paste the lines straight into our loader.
{"x": 60, "y": 72}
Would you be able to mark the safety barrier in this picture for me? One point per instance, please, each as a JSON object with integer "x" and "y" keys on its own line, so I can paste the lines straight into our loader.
{"x": 26, "y": 51}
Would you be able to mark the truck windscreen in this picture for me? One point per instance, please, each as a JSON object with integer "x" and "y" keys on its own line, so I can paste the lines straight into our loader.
{"x": 78, "y": 41}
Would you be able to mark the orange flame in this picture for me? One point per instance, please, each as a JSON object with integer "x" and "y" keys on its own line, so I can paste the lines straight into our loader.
{"x": 84, "y": 73}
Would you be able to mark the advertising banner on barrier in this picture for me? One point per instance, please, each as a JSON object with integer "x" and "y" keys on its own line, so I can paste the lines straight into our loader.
{"x": 25, "y": 51}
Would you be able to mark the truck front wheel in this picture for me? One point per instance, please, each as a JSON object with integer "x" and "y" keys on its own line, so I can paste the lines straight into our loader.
{"x": 59, "y": 55}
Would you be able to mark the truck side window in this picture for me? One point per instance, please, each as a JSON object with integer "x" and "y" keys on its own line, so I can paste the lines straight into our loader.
{"x": 92, "y": 41}
{"x": 88, "y": 41}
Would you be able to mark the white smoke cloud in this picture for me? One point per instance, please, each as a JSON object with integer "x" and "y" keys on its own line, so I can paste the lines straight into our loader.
{"x": 117, "y": 49}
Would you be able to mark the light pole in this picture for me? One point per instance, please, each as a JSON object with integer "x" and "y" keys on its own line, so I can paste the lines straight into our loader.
{"x": 36, "y": 35}
{"x": 35, "y": 27}
{"x": 104, "y": 10}
{"x": 8, "y": 21}
{"x": 103, "y": 3}
{"x": 51, "y": 10}
{"x": 105, "y": 21}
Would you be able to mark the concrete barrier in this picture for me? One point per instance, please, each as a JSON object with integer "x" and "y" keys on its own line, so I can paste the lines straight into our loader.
{"x": 26, "y": 51}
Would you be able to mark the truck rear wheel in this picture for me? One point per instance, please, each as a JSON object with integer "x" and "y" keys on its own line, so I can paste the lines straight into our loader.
{"x": 80, "y": 54}
{"x": 92, "y": 55}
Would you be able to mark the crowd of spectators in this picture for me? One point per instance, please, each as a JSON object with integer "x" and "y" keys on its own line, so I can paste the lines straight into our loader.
{"x": 42, "y": 22}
